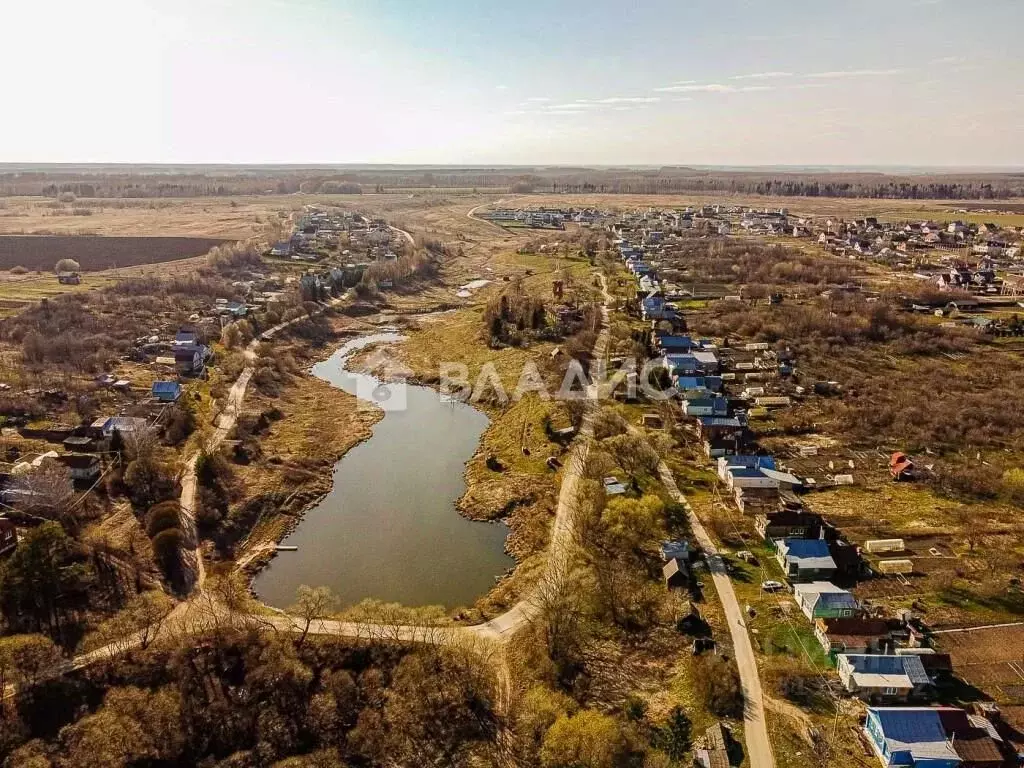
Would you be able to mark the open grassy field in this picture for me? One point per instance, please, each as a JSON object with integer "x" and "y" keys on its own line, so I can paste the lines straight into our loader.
{"x": 219, "y": 217}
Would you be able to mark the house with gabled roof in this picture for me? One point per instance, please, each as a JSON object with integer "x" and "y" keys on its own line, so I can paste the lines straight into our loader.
{"x": 824, "y": 600}
{"x": 910, "y": 736}
{"x": 805, "y": 560}
{"x": 854, "y": 634}
{"x": 876, "y": 676}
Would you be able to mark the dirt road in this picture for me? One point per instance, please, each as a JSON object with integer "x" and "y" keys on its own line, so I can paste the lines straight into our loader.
{"x": 759, "y": 748}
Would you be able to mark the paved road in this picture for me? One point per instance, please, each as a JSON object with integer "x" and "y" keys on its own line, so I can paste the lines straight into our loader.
{"x": 759, "y": 748}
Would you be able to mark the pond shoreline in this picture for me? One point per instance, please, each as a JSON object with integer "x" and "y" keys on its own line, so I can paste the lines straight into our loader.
{"x": 457, "y": 558}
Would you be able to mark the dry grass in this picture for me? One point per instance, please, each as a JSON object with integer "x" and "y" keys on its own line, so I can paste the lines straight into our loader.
{"x": 320, "y": 424}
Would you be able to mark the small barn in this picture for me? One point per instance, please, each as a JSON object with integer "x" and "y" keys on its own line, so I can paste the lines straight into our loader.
{"x": 166, "y": 391}
{"x": 676, "y": 574}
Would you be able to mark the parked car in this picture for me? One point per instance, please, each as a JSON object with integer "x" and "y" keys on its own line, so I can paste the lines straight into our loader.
{"x": 772, "y": 586}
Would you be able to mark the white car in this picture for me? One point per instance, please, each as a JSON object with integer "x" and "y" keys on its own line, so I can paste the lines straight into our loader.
{"x": 772, "y": 586}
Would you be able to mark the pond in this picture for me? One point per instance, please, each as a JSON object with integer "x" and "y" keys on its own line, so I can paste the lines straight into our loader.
{"x": 389, "y": 529}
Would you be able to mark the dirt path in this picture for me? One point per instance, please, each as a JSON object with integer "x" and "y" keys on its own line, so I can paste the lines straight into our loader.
{"x": 500, "y": 629}
{"x": 759, "y": 748}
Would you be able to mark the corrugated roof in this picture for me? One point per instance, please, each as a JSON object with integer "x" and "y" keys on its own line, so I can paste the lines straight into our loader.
{"x": 917, "y": 730}
{"x": 888, "y": 666}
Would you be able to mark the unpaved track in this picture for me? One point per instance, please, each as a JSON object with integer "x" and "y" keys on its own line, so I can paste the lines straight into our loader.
{"x": 201, "y": 610}
{"x": 755, "y": 730}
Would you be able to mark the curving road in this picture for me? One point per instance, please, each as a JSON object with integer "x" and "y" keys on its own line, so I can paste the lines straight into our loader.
{"x": 203, "y": 610}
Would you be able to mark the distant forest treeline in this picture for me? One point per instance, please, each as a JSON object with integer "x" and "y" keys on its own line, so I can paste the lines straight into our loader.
{"x": 147, "y": 183}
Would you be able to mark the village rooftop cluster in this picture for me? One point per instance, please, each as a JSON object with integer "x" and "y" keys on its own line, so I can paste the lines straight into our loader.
{"x": 885, "y": 660}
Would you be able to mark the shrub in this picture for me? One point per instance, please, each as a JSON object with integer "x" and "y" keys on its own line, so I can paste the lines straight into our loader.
{"x": 718, "y": 682}
{"x": 67, "y": 265}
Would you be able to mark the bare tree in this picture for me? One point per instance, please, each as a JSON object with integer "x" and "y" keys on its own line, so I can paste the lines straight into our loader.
{"x": 633, "y": 453}
{"x": 47, "y": 492}
{"x": 313, "y": 604}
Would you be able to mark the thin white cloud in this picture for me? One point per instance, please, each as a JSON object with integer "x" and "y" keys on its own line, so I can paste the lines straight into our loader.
{"x": 714, "y": 88}
{"x": 842, "y": 73}
{"x": 501, "y": 87}
{"x": 628, "y": 100}
{"x": 697, "y": 88}
{"x": 761, "y": 76}
{"x": 537, "y": 99}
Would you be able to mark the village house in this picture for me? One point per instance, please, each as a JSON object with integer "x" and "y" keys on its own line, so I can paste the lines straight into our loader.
{"x": 805, "y": 560}
{"x": 83, "y": 467}
{"x": 911, "y": 736}
{"x": 876, "y": 677}
{"x": 856, "y": 634}
{"x": 700, "y": 385}
{"x": 189, "y": 360}
{"x": 106, "y": 426}
{"x": 79, "y": 444}
{"x": 8, "y": 536}
{"x": 166, "y": 391}
{"x": 937, "y": 737}
{"x": 706, "y": 406}
{"x": 722, "y": 435}
{"x": 824, "y": 600}
{"x": 789, "y": 524}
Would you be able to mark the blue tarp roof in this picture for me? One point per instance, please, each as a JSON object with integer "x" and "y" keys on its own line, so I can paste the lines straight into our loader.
{"x": 765, "y": 462}
{"x": 806, "y": 547}
{"x": 745, "y": 471}
{"x": 166, "y": 387}
{"x": 676, "y": 342}
{"x": 719, "y": 421}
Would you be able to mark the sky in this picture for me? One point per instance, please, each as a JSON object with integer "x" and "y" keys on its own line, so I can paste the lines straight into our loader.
{"x": 562, "y": 82}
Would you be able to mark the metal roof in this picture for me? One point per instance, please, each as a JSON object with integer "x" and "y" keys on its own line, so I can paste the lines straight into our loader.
{"x": 887, "y": 668}
{"x": 917, "y": 730}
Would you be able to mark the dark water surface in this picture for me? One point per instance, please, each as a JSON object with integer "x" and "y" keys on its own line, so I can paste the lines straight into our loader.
{"x": 389, "y": 528}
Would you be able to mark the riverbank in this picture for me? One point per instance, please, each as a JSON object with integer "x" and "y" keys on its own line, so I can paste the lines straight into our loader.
{"x": 303, "y": 432}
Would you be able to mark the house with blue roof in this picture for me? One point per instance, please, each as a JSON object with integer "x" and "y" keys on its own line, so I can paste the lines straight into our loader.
{"x": 166, "y": 391}
{"x": 805, "y": 560}
{"x": 675, "y": 344}
{"x": 910, "y": 736}
{"x": 706, "y": 406}
{"x": 750, "y": 462}
{"x": 877, "y": 676}
{"x": 824, "y": 600}
{"x": 681, "y": 365}
{"x": 655, "y": 308}
{"x": 698, "y": 383}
